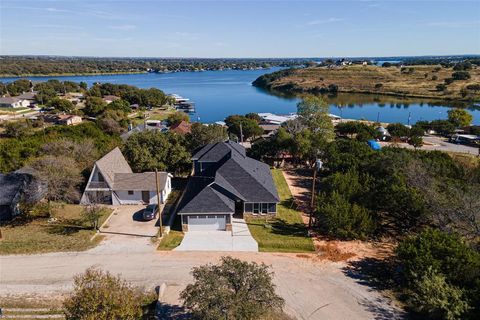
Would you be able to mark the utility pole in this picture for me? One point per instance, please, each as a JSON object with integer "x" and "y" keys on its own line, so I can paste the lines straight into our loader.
{"x": 158, "y": 202}
{"x": 312, "y": 200}
{"x": 241, "y": 133}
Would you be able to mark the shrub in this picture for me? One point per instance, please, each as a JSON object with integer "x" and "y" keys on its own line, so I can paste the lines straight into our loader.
{"x": 378, "y": 86}
{"x": 461, "y": 75}
{"x": 434, "y": 78}
{"x": 448, "y": 81}
{"x": 233, "y": 289}
{"x": 101, "y": 296}
{"x": 343, "y": 219}
{"x": 441, "y": 252}
{"x": 435, "y": 298}
{"x": 441, "y": 87}
{"x": 459, "y": 117}
{"x": 416, "y": 141}
{"x": 398, "y": 130}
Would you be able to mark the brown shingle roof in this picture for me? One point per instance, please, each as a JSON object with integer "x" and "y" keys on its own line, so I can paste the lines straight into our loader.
{"x": 112, "y": 163}
{"x": 181, "y": 128}
{"x": 139, "y": 181}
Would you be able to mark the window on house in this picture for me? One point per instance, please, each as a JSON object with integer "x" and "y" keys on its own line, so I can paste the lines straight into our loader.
{"x": 130, "y": 192}
{"x": 248, "y": 207}
{"x": 272, "y": 207}
{"x": 256, "y": 208}
{"x": 264, "y": 207}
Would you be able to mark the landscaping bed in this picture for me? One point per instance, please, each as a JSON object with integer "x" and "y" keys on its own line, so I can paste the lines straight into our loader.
{"x": 286, "y": 232}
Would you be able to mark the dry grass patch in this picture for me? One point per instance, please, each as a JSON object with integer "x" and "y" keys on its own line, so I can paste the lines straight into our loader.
{"x": 39, "y": 234}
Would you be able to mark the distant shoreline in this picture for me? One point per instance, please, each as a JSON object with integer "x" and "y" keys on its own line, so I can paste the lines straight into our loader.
{"x": 70, "y": 74}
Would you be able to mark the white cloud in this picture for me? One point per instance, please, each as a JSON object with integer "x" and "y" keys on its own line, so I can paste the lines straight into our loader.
{"x": 323, "y": 21}
{"x": 454, "y": 24}
{"x": 123, "y": 27}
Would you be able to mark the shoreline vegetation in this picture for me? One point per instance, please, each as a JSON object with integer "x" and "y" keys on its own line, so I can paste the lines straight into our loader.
{"x": 418, "y": 81}
{"x": 28, "y": 66}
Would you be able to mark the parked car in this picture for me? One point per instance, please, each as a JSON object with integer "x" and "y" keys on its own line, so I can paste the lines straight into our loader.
{"x": 150, "y": 212}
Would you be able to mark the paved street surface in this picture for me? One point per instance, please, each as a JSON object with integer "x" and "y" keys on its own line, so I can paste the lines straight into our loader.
{"x": 128, "y": 220}
{"x": 438, "y": 143}
{"x": 312, "y": 289}
{"x": 239, "y": 239}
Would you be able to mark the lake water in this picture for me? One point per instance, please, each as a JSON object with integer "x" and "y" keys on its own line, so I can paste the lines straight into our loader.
{"x": 218, "y": 94}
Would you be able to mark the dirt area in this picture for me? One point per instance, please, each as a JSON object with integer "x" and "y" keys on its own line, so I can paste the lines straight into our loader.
{"x": 312, "y": 289}
{"x": 299, "y": 181}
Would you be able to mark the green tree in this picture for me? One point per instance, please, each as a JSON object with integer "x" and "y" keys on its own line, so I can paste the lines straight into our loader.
{"x": 94, "y": 106}
{"x": 461, "y": 75}
{"x": 398, "y": 130}
{"x": 177, "y": 117}
{"x": 201, "y": 135}
{"x": 460, "y": 117}
{"x": 240, "y": 125}
{"x": 15, "y": 129}
{"x": 83, "y": 85}
{"x": 313, "y": 111}
{"x": 61, "y": 104}
{"x": 150, "y": 150}
{"x": 444, "y": 253}
{"x": 119, "y": 105}
{"x": 253, "y": 116}
{"x": 19, "y": 86}
{"x": 98, "y": 295}
{"x": 342, "y": 219}
{"x": 233, "y": 289}
{"x": 435, "y": 298}
{"x": 416, "y": 141}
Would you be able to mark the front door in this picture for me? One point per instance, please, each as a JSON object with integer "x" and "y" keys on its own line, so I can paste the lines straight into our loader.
{"x": 146, "y": 196}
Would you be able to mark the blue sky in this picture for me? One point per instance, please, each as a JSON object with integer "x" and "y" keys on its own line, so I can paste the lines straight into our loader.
{"x": 239, "y": 29}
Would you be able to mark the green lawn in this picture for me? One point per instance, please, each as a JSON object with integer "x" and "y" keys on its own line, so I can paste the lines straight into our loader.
{"x": 286, "y": 232}
{"x": 37, "y": 235}
{"x": 174, "y": 238}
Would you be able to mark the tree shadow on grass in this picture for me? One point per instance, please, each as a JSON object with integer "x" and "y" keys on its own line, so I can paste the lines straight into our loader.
{"x": 66, "y": 227}
{"x": 288, "y": 229}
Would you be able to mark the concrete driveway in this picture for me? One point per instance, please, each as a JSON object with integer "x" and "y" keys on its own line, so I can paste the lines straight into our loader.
{"x": 239, "y": 239}
{"x": 128, "y": 220}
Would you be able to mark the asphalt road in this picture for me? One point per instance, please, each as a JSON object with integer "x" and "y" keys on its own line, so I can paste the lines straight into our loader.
{"x": 312, "y": 289}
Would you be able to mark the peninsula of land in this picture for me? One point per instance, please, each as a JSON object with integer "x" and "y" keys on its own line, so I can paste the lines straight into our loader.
{"x": 422, "y": 81}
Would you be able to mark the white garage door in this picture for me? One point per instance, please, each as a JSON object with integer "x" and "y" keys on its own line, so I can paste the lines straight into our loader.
{"x": 206, "y": 223}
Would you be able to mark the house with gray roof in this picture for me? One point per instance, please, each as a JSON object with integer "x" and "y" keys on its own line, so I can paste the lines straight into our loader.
{"x": 13, "y": 102}
{"x": 225, "y": 182}
{"x": 16, "y": 188}
{"x": 112, "y": 181}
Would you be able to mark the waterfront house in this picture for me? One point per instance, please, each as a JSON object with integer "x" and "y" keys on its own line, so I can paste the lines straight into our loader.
{"x": 112, "y": 181}
{"x": 181, "y": 128}
{"x": 225, "y": 182}
{"x": 69, "y": 119}
{"x": 13, "y": 102}
{"x": 110, "y": 98}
